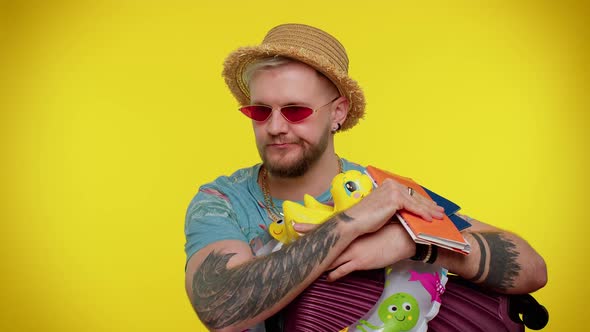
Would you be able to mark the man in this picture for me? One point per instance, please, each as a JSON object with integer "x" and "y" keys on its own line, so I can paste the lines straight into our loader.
{"x": 295, "y": 88}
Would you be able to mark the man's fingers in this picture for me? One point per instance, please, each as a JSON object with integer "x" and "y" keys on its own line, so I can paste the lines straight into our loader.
{"x": 426, "y": 211}
{"x": 428, "y": 202}
{"x": 416, "y": 203}
{"x": 304, "y": 228}
{"x": 338, "y": 261}
{"x": 341, "y": 271}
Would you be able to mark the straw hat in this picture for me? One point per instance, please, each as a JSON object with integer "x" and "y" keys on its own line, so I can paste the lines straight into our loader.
{"x": 304, "y": 43}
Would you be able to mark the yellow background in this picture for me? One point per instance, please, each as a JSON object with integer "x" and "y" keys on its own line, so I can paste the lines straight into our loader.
{"x": 112, "y": 113}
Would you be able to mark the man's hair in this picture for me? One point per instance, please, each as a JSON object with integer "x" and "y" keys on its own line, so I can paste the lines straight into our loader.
{"x": 268, "y": 62}
{"x": 272, "y": 62}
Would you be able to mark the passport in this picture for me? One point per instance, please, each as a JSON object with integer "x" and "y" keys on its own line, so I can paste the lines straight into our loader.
{"x": 440, "y": 232}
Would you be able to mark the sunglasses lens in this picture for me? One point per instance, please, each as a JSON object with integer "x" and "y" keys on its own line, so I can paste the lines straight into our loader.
{"x": 256, "y": 112}
{"x": 296, "y": 113}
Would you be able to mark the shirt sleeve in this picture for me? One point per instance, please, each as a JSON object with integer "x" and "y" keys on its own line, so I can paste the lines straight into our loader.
{"x": 210, "y": 218}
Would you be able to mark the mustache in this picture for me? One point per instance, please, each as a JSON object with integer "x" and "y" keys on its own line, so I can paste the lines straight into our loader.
{"x": 283, "y": 140}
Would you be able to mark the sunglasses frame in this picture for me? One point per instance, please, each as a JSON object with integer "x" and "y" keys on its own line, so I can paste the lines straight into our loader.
{"x": 283, "y": 114}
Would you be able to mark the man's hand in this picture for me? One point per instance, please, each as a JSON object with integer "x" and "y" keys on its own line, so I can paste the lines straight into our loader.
{"x": 380, "y": 206}
{"x": 387, "y": 246}
{"x": 379, "y": 245}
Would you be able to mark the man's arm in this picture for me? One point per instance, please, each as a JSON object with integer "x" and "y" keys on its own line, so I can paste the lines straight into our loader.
{"x": 499, "y": 260}
{"x": 232, "y": 290}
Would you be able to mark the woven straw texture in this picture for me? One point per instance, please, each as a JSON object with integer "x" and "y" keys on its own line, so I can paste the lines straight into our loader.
{"x": 306, "y": 44}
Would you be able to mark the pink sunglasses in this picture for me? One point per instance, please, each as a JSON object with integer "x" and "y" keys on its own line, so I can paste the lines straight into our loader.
{"x": 291, "y": 113}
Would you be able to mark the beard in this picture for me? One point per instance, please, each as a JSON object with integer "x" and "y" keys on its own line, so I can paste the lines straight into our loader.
{"x": 298, "y": 167}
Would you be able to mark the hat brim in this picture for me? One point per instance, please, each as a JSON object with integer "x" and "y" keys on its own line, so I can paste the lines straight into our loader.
{"x": 238, "y": 61}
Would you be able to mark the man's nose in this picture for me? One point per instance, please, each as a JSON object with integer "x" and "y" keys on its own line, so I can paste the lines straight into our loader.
{"x": 276, "y": 123}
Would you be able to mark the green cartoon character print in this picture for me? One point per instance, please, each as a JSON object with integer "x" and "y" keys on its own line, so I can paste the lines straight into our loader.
{"x": 399, "y": 312}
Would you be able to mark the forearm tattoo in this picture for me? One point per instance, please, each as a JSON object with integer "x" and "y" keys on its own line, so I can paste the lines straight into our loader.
{"x": 223, "y": 297}
{"x": 498, "y": 267}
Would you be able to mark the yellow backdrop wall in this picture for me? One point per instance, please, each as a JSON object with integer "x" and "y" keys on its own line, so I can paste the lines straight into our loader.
{"x": 112, "y": 113}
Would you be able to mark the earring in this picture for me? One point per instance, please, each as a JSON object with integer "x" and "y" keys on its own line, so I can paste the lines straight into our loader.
{"x": 337, "y": 128}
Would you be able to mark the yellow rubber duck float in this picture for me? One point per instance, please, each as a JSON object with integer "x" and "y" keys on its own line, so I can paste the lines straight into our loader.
{"x": 347, "y": 189}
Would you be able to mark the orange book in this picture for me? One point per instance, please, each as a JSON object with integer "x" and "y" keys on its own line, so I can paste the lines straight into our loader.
{"x": 439, "y": 232}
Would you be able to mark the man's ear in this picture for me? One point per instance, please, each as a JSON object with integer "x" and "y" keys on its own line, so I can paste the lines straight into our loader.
{"x": 339, "y": 112}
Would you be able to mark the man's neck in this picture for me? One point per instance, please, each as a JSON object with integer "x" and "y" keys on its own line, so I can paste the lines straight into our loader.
{"x": 314, "y": 182}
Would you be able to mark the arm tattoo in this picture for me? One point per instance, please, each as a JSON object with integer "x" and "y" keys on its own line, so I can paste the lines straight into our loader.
{"x": 483, "y": 257}
{"x": 223, "y": 296}
{"x": 344, "y": 217}
{"x": 501, "y": 268}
